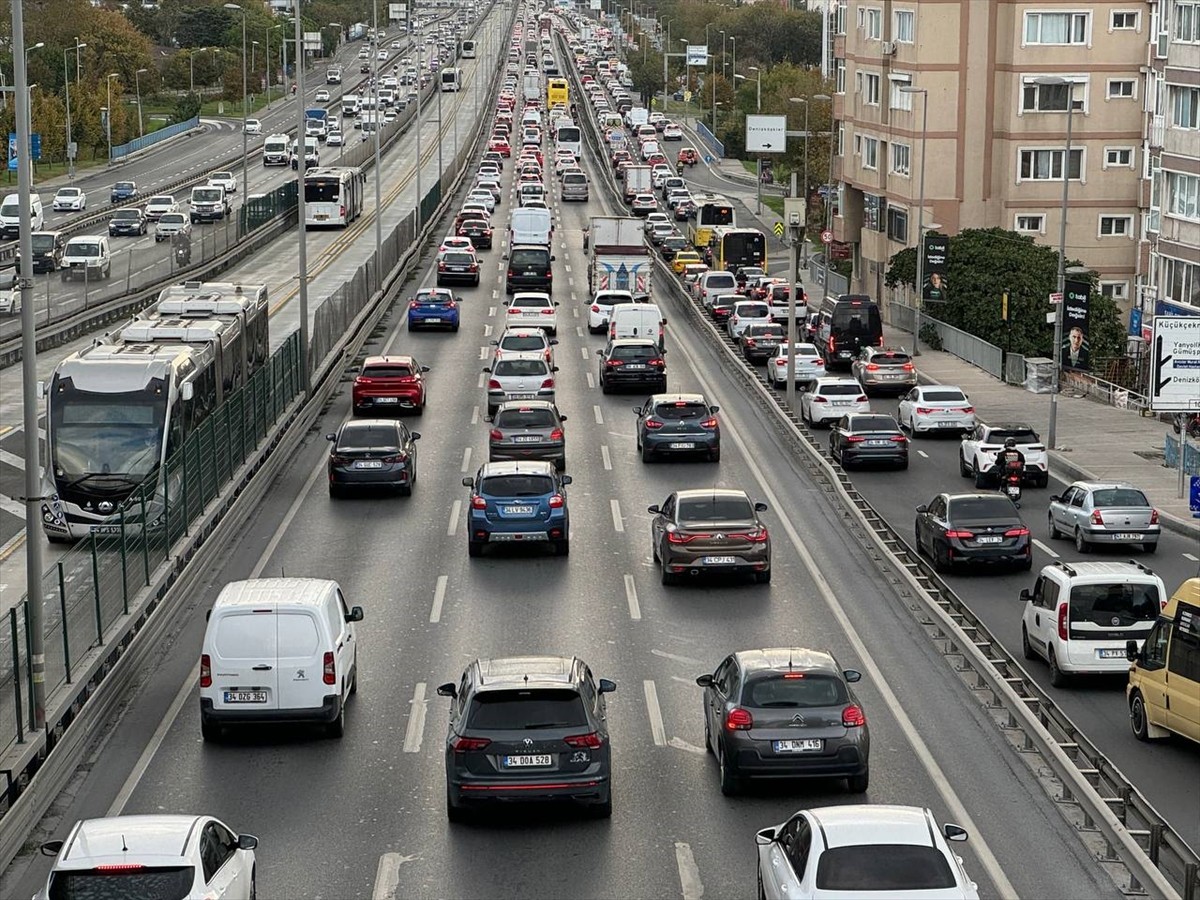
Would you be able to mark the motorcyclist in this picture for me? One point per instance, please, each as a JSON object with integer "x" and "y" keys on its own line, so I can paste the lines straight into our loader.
{"x": 587, "y": 238}
{"x": 679, "y": 168}
{"x": 1010, "y": 459}
{"x": 181, "y": 246}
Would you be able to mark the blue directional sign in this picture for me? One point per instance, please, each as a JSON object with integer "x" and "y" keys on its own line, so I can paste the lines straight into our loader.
{"x": 1194, "y": 496}
{"x": 35, "y": 144}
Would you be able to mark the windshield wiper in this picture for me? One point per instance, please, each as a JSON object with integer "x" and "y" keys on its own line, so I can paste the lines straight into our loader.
{"x": 114, "y": 475}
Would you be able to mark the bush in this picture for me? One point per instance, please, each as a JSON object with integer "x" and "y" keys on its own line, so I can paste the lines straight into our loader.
{"x": 187, "y": 107}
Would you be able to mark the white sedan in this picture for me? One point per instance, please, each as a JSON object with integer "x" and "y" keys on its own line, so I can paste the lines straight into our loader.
{"x": 936, "y": 407}
{"x": 452, "y": 242}
{"x": 322, "y": 95}
{"x": 809, "y": 365}
{"x": 70, "y": 198}
{"x": 334, "y": 139}
{"x": 533, "y": 308}
{"x": 828, "y": 399}
{"x": 225, "y": 180}
{"x": 253, "y": 126}
{"x": 672, "y": 132}
{"x": 160, "y": 204}
{"x": 484, "y": 196}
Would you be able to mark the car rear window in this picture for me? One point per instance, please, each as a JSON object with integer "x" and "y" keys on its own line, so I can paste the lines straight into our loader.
{"x": 873, "y": 423}
{"x": 529, "y": 259}
{"x": 982, "y": 508}
{"x": 533, "y": 302}
{"x": 1114, "y": 604}
{"x": 156, "y": 883}
{"x": 520, "y": 367}
{"x": 517, "y": 485}
{"x": 459, "y": 259}
{"x": 1112, "y": 497}
{"x": 523, "y": 342}
{"x": 126, "y": 214}
{"x": 526, "y": 710}
{"x": 891, "y": 358}
{"x": 362, "y": 437}
{"x": 574, "y": 179}
{"x": 720, "y": 281}
{"x": 395, "y": 370}
{"x": 712, "y": 509}
{"x": 802, "y": 690}
{"x": 840, "y": 390}
{"x": 883, "y": 867}
{"x": 680, "y": 409}
{"x": 475, "y": 224}
{"x": 634, "y": 351}
{"x": 753, "y": 310}
{"x": 525, "y": 417}
{"x": 946, "y": 397}
{"x": 775, "y": 331}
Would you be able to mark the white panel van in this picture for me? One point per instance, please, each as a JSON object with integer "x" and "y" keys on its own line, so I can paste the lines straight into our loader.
{"x": 637, "y": 320}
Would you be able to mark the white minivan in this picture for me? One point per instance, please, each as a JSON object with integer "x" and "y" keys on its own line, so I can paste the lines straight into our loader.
{"x": 637, "y": 320}
{"x": 278, "y": 650}
{"x": 10, "y": 215}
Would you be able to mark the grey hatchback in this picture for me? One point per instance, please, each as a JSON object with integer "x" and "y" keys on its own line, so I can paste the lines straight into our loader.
{"x": 785, "y": 712}
{"x": 527, "y": 728}
{"x": 678, "y": 423}
{"x": 528, "y": 429}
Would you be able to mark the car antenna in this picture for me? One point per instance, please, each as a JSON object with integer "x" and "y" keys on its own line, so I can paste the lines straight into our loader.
{"x": 282, "y": 574}
{"x": 527, "y": 678}
{"x": 789, "y": 659}
{"x": 124, "y": 845}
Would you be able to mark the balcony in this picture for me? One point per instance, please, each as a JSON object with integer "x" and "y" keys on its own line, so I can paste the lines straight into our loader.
{"x": 1158, "y": 130}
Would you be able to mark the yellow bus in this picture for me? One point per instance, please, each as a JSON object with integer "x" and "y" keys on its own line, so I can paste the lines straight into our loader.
{"x": 556, "y": 93}
{"x": 710, "y": 211}
{"x": 736, "y": 248}
{"x": 1164, "y": 675}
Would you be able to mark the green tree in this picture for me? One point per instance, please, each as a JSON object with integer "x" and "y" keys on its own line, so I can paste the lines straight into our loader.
{"x": 187, "y": 106}
{"x": 206, "y": 26}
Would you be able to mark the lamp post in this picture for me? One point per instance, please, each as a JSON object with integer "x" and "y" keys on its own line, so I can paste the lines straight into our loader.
{"x": 267, "y": 63}
{"x": 803, "y": 192}
{"x": 67, "y": 88}
{"x": 924, "y": 92}
{"x": 377, "y": 114}
{"x": 758, "y": 90}
{"x": 137, "y": 86}
{"x": 420, "y": 73}
{"x": 301, "y": 231}
{"x": 1052, "y": 81}
{"x": 108, "y": 111}
{"x": 246, "y": 112}
{"x": 724, "y": 51}
{"x": 253, "y": 55}
{"x": 733, "y": 55}
{"x": 828, "y": 218}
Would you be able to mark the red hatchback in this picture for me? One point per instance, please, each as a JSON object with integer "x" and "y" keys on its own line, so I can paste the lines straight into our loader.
{"x": 500, "y": 146}
{"x": 389, "y": 382}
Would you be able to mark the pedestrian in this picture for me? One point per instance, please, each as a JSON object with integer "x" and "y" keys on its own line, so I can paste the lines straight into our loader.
{"x": 587, "y": 237}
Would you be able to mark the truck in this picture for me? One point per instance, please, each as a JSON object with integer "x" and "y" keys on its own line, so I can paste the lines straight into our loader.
{"x": 638, "y": 180}
{"x": 531, "y": 88}
{"x": 620, "y": 258}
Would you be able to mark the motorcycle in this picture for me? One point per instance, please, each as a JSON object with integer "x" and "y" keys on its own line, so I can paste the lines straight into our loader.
{"x": 1010, "y": 484}
{"x": 1191, "y": 424}
{"x": 183, "y": 254}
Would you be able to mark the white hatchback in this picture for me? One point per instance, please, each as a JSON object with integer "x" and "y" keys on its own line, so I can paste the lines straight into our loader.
{"x": 809, "y": 365}
{"x": 831, "y": 398}
{"x": 70, "y": 198}
{"x": 600, "y": 309}
{"x": 533, "y": 308}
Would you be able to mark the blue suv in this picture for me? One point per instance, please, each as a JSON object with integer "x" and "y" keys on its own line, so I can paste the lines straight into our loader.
{"x": 433, "y": 308}
{"x": 518, "y": 503}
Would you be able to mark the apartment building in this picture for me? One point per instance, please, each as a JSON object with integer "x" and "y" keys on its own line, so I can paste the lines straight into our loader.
{"x": 1170, "y": 247}
{"x": 986, "y": 87}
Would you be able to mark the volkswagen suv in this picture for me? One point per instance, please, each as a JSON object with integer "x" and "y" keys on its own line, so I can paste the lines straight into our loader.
{"x": 518, "y": 502}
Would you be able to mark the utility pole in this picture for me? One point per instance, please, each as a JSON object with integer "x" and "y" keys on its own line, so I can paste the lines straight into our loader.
{"x": 795, "y": 232}
{"x": 301, "y": 231}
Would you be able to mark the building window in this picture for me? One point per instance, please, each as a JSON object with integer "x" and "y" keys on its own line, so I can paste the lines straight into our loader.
{"x": 870, "y": 20}
{"x": 1154, "y": 218}
{"x": 841, "y": 140}
{"x": 871, "y": 89}
{"x": 1180, "y": 281}
{"x": 839, "y": 25}
{"x": 1116, "y": 226}
{"x": 1121, "y": 89}
{"x": 1118, "y": 157}
{"x": 1183, "y": 196}
{"x": 901, "y": 159}
{"x": 1186, "y": 28}
{"x": 1050, "y": 97}
{"x": 1115, "y": 290}
{"x": 1057, "y": 27}
{"x": 904, "y": 25}
{"x": 870, "y": 153}
{"x": 897, "y": 225}
{"x": 1047, "y": 165}
{"x": 840, "y": 77}
{"x": 1185, "y": 106}
{"x": 898, "y": 98}
{"x": 1124, "y": 20}
{"x": 1031, "y": 224}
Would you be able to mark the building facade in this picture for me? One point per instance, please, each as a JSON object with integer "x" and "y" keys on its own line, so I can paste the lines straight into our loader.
{"x": 980, "y": 92}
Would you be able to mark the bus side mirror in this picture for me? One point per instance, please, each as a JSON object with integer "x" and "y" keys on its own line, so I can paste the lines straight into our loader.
{"x": 187, "y": 391}
{"x": 1131, "y": 651}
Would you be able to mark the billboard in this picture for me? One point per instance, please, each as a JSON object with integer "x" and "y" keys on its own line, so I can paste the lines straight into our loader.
{"x": 1175, "y": 364}
{"x": 697, "y": 55}
{"x": 35, "y": 145}
{"x": 397, "y": 12}
{"x": 935, "y": 250}
{"x": 312, "y": 41}
{"x": 595, "y": 4}
{"x": 766, "y": 134}
{"x": 1076, "y": 348}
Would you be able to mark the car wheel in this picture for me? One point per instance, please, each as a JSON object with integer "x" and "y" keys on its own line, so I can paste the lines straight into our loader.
{"x": 858, "y": 784}
{"x": 963, "y": 469}
{"x": 1139, "y": 719}
{"x": 1082, "y": 544}
{"x": 454, "y": 812}
{"x": 560, "y": 464}
{"x": 917, "y": 545}
{"x": 1149, "y": 547}
{"x": 335, "y": 492}
{"x": 474, "y": 549}
{"x": 730, "y": 783}
{"x": 1026, "y": 647}
{"x": 667, "y": 578}
{"x": 562, "y": 548}
{"x": 405, "y": 490}
{"x": 1058, "y": 678}
{"x": 604, "y": 388}
{"x": 253, "y": 885}
{"x": 337, "y": 727}
{"x": 980, "y": 478}
{"x": 354, "y": 676}
{"x": 420, "y": 410}
{"x": 1042, "y": 480}
{"x": 210, "y": 731}
{"x": 707, "y": 735}
{"x": 1055, "y": 534}
{"x": 603, "y": 809}
{"x": 762, "y": 577}
{"x": 940, "y": 562}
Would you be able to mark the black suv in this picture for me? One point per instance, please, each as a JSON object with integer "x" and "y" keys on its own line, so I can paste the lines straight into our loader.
{"x": 632, "y": 363}
{"x": 527, "y": 728}
{"x": 48, "y": 247}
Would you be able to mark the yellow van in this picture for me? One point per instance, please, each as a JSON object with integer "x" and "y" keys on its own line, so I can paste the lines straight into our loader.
{"x": 1164, "y": 676}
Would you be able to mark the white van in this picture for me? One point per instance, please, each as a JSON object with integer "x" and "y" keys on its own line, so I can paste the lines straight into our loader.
{"x": 87, "y": 257}
{"x": 637, "y": 320}
{"x": 713, "y": 284}
{"x": 278, "y": 650}
{"x": 350, "y": 105}
{"x": 10, "y": 215}
{"x": 530, "y": 226}
{"x": 275, "y": 150}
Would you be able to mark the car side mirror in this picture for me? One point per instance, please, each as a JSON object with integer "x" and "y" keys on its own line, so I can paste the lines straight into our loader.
{"x": 247, "y": 842}
{"x": 567, "y": 479}
{"x": 1056, "y": 498}
{"x": 554, "y": 368}
{"x": 922, "y": 509}
{"x": 486, "y": 369}
{"x": 852, "y": 675}
{"x": 954, "y": 832}
{"x": 712, "y": 409}
{"x": 51, "y": 848}
{"x": 765, "y": 838}
{"x": 562, "y": 419}
{"x": 704, "y": 681}
{"x": 424, "y": 368}
{"x": 468, "y": 481}
{"x": 355, "y": 614}
{"x": 554, "y": 342}
{"x": 416, "y": 435}
{"x": 653, "y": 510}
{"x": 1132, "y": 653}
{"x": 331, "y": 437}
{"x": 606, "y": 686}
{"x": 552, "y": 257}
{"x": 760, "y": 507}
{"x": 1025, "y": 596}
{"x": 447, "y": 690}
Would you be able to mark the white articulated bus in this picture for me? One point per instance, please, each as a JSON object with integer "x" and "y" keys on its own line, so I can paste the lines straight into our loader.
{"x": 452, "y": 79}
{"x": 333, "y": 196}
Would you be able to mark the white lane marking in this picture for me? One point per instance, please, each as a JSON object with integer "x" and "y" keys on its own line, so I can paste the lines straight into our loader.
{"x": 480, "y": 383}
{"x": 1192, "y": 557}
{"x": 605, "y": 458}
{"x": 387, "y": 877}
{"x": 681, "y": 744}
{"x": 466, "y": 463}
{"x": 455, "y": 511}
{"x": 689, "y": 872}
{"x": 635, "y": 610}
{"x": 618, "y": 524}
{"x": 599, "y": 415}
{"x": 487, "y": 331}
{"x": 575, "y": 312}
{"x": 571, "y": 280}
{"x": 591, "y": 381}
{"x": 655, "y": 711}
{"x": 491, "y": 311}
{"x": 677, "y": 658}
{"x": 922, "y": 454}
{"x": 566, "y": 267}
{"x": 475, "y": 416}
{"x": 583, "y": 351}
{"x": 416, "y": 720}
{"x": 955, "y": 807}
{"x": 1045, "y": 549}
{"x": 483, "y": 353}
{"x": 287, "y": 519}
{"x": 578, "y": 329}
{"x": 439, "y": 598}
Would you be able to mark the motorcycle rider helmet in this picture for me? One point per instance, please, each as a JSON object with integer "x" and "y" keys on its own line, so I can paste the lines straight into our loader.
{"x": 1010, "y": 443}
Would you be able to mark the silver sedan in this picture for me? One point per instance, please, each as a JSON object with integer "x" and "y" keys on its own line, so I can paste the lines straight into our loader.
{"x": 1091, "y": 513}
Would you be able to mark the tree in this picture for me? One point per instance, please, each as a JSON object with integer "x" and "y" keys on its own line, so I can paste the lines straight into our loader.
{"x": 205, "y": 26}
{"x": 983, "y": 263}
{"x": 186, "y": 107}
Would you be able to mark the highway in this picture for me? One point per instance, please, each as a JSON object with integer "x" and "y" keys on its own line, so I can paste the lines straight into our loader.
{"x": 364, "y": 816}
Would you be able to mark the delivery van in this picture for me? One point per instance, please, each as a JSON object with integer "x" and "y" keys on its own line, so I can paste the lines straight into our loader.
{"x": 1164, "y": 675}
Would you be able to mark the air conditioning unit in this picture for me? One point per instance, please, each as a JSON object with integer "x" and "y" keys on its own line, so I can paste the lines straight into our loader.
{"x": 889, "y": 48}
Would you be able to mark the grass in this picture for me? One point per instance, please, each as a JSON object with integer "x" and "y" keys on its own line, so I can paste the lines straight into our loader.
{"x": 774, "y": 203}
{"x": 45, "y": 171}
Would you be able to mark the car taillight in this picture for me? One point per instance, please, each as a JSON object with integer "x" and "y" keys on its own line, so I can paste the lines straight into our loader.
{"x": 961, "y": 535}
{"x": 112, "y": 868}
{"x": 658, "y": 363}
{"x": 871, "y": 367}
{"x": 1062, "y": 622}
{"x": 595, "y": 308}
{"x": 908, "y": 367}
{"x": 1017, "y": 532}
{"x": 412, "y": 304}
{"x": 328, "y": 671}
{"x": 924, "y": 410}
{"x": 1154, "y": 517}
{"x": 556, "y": 434}
{"x": 861, "y": 398}
{"x": 899, "y": 439}
{"x": 750, "y": 342}
{"x": 710, "y": 422}
{"x": 968, "y": 409}
{"x": 738, "y": 719}
{"x": 547, "y": 312}
{"x": 363, "y": 379}
{"x": 831, "y": 345}
{"x": 674, "y": 537}
{"x": 493, "y": 385}
{"x": 653, "y": 424}
{"x": 819, "y": 399}
{"x": 853, "y": 716}
{"x": 441, "y": 266}
{"x": 465, "y": 744}
{"x": 342, "y": 211}
{"x": 478, "y": 502}
{"x": 556, "y": 501}
{"x": 1097, "y": 518}
{"x": 591, "y": 741}
{"x": 496, "y": 434}
{"x": 548, "y": 383}
{"x": 474, "y": 267}
{"x": 855, "y": 438}
{"x": 205, "y": 670}
{"x": 513, "y": 311}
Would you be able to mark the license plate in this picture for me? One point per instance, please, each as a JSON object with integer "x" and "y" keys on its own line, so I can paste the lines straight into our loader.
{"x": 458, "y": 268}
{"x": 523, "y": 396}
{"x": 387, "y": 399}
{"x": 635, "y": 367}
{"x": 886, "y": 375}
{"x": 843, "y": 402}
{"x": 368, "y": 464}
{"x": 434, "y": 321}
{"x": 520, "y": 510}
{"x": 1126, "y": 536}
{"x": 986, "y": 539}
{"x": 844, "y": 354}
{"x": 719, "y": 560}
{"x": 528, "y": 760}
{"x": 1114, "y": 653}
{"x": 106, "y": 529}
{"x": 245, "y": 696}
{"x": 683, "y": 445}
{"x": 322, "y": 216}
{"x": 877, "y": 443}
{"x": 943, "y": 423}
{"x": 794, "y": 746}
{"x": 527, "y": 438}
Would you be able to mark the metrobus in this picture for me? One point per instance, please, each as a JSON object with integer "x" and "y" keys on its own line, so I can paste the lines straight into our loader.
{"x": 736, "y": 248}
{"x": 557, "y": 93}
{"x": 567, "y": 136}
{"x": 711, "y": 210}
{"x": 468, "y": 49}
{"x": 451, "y": 79}
{"x": 247, "y": 303}
{"x": 333, "y": 196}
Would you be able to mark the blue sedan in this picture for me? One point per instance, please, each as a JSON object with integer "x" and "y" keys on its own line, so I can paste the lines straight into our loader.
{"x": 433, "y": 308}
{"x": 518, "y": 503}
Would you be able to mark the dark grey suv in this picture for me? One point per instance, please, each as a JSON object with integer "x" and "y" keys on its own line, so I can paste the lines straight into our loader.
{"x": 671, "y": 424}
{"x": 527, "y": 728}
{"x": 785, "y": 713}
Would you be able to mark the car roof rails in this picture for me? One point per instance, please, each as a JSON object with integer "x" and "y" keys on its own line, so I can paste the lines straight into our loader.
{"x": 1066, "y": 568}
{"x": 1143, "y": 567}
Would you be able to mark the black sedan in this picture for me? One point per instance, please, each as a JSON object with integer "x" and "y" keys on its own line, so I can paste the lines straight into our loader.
{"x": 759, "y": 342}
{"x": 478, "y": 231}
{"x": 673, "y": 424}
{"x": 457, "y": 266}
{"x": 868, "y": 438}
{"x": 373, "y": 453}
{"x": 632, "y": 363}
{"x": 672, "y": 245}
{"x": 974, "y": 529}
{"x": 130, "y": 221}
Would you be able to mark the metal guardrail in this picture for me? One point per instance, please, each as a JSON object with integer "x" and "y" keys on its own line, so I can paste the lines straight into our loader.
{"x": 1133, "y": 834}
{"x": 155, "y": 137}
{"x": 710, "y": 140}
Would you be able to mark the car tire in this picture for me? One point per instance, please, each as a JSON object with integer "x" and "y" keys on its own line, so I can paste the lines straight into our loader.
{"x": 940, "y": 564}
{"x": 474, "y": 549}
{"x": 454, "y": 328}
{"x": 1052, "y": 529}
{"x": 917, "y": 545}
{"x": 1150, "y": 548}
{"x": 454, "y": 812}
{"x": 903, "y": 465}
{"x": 210, "y": 731}
{"x": 405, "y": 490}
{"x": 1058, "y": 677}
{"x": 714, "y": 455}
{"x": 647, "y": 454}
{"x": 762, "y": 577}
{"x": 1139, "y": 720}
{"x": 707, "y": 735}
{"x": 731, "y": 784}
{"x": 858, "y": 784}
{"x": 665, "y": 577}
{"x": 1042, "y": 481}
{"x": 562, "y": 548}
{"x": 603, "y": 809}
{"x": 420, "y": 410}
{"x": 1026, "y": 564}
{"x": 604, "y": 388}
{"x": 335, "y": 492}
{"x": 1026, "y": 648}
{"x": 1082, "y": 544}
{"x": 337, "y": 727}
{"x": 963, "y": 469}
{"x": 980, "y": 478}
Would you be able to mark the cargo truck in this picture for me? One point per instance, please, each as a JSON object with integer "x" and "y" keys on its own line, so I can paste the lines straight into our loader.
{"x": 620, "y": 258}
{"x": 638, "y": 180}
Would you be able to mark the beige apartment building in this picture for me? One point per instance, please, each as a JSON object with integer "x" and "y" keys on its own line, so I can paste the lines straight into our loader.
{"x": 996, "y": 131}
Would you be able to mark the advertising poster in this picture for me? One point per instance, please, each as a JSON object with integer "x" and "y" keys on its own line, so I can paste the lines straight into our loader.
{"x": 1076, "y": 348}
{"x": 936, "y": 251}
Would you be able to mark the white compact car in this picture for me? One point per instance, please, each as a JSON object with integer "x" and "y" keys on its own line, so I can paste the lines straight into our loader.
{"x": 322, "y": 95}
{"x": 71, "y": 199}
{"x": 160, "y": 204}
{"x": 253, "y": 126}
{"x": 936, "y": 407}
{"x": 746, "y": 313}
{"x": 600, "y": 309}
{"x": 225, "y": 180}
{"x": 809, "y": 365}
{"x": 831, "y": 398}
{"x": 533, "y": 308}
{"x": 152, "y": 856}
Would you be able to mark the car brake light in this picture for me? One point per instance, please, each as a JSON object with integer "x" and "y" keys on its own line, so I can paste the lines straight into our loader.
{"x": 738, "y": 719}
{"x": 792, "y": 676}
{"x": 556, "y": 501}
{"x": 961, "y": 535}
{"x": 819, "y": 399}
{"x": 513, "y": 311}
{"x": 205, "y": 670}
{"x": 658, "y": 363}
{"x": 412, "y": 304}
{"x": 328, "y": 671}
{"x": 1097, "y": 518}
{"x": 653, "y": 424}
{"x": 342, "y": 211}
{"x": 674, "y": 537}
{"x": 548, "y": 383}
{"x": 924, "y": 410}
{"x": 861, "y": 398}
{"x": 1062, "y": 622}
{"x": 595, "y": 308}
{"x": 591, "y": 741}
{"x": 441, "y": 267}
{"x": 478, "y": 502}
{"x": 855, "y": 438}
{"x": 899, "y": 438}
{"x": 710, "y": 422}
{"x": 1022, "y": 531}
{"x": 750, "y": 342}
{"x": 465, "y": 744}
{"x": 556, "y": 434}
{"x": 853, "y": 716}
{"x": 968, "y": 409}
{"x": 908, "y": 367}
{"x": 493, "y": 385}
{"x": 474, "y": 267}
{"x": 112, "y": 868}
{"x": 496, "y": 434}
{"x": 547, "y": 312}
{"x": 1154, "y": 517}
{"x": 871, "y": 367}
{"x": 831, "y": 345}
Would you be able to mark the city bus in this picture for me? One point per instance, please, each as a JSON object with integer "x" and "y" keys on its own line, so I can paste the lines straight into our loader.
{"x": 451, "y": 79}
{"x": 557, "y": 93}
{"x": 567, "y": 136}
{"x": 711, "y": 210}
{"x": 468, "y": 49}
{"x": 333, "y": 196}
{"x": 735, "y": 248}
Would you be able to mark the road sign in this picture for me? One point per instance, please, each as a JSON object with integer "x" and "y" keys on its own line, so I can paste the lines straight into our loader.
{"x": 1175, "y": 365}
{"x": 826, "y": 236}
{"x": 697, "y": 55}
{"x": 1056, "y": 297}
{"x": 1194, "y": 496}
{"x": 778, "y": 229}
{"x": 766, "y": 134}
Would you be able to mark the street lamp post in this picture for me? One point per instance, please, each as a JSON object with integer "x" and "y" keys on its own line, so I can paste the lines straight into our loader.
{"x": 137, "y": 86}
{"x": 109, "y": 111}
{"x": 724, "y": 51}
{"x": 67, "y": 88}
{"x": 828, "y": 218}
{"x": 377, "y": 113}
{"x": 733, "y": 55}
{"x": 267, "y": 64}
{"x": 301, "y": 231}
{"x": 924, "y": 92}
{"x": 420, "y": 89}
{"x": 253, "y": 58}
{"x": 758, "y": 90}
{"x": 803, "y": 192}
{"x": 246, "y": 112}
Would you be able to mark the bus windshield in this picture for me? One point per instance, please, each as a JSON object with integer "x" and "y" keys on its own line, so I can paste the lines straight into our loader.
{"x": 107, "y": 434}
{"x": 745, "y": 249}
{"x": 322, "y": 190}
